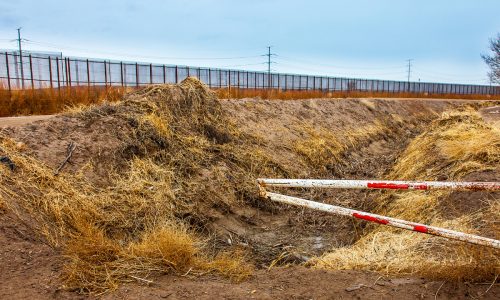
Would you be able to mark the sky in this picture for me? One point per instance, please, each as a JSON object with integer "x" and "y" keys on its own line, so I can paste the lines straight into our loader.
{"x": 358, "y": 38}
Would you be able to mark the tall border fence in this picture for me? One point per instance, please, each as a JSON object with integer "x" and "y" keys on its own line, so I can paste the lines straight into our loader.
{"x": 31, "y": 71}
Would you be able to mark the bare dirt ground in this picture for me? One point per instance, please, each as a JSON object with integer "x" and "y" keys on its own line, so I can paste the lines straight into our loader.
{"x": 491, "y": 114}
{"x": 31, "y": 268}
{"x": 19, "y": 121}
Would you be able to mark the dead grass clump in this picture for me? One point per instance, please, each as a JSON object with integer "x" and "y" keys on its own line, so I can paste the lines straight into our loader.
{"x": 321, "y": 149}
{"x": 460, "y": 138}
{"x": 455, "y": 145}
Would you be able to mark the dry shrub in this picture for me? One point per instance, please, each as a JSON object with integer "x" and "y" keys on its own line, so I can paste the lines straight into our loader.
{"x": 232, "y": 264}
{"x": 321, "y": 148}
{"x": 455, "y": 145}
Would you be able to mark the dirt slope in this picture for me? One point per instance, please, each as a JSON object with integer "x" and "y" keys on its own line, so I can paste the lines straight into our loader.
{"x": 372, "y": 134}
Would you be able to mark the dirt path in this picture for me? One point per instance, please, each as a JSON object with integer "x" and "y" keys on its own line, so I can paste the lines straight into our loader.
{"x": 491, "y": 114}
{"x": 19, "y": 121}
{"x": 301, "y": 283}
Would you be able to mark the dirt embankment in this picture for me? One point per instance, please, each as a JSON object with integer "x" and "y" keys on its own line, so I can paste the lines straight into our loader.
{"x": 203, "y": 156}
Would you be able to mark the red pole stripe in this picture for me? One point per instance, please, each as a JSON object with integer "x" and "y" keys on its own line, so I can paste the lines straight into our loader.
{"x": 370, "y": 218}
{"x": 420, "y": 228}
{"x": 396, "y": 186}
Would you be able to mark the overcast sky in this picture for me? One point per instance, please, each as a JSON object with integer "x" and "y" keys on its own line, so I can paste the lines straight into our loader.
{"x": 357, "y": 38}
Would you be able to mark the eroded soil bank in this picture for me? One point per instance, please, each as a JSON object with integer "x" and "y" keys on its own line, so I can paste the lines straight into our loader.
{"x": 317, "y": 138}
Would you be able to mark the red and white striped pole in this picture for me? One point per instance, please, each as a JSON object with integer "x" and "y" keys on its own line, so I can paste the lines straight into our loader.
{"x": 470, "y": 238}
{"x": 380, "y": 184}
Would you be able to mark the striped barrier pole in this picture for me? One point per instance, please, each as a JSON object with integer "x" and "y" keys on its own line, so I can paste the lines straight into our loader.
{"x": 380, "y": 184}
{"x": 338, "y": 210}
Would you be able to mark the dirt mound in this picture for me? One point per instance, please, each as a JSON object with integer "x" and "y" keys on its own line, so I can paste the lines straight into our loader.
{"x": 164, "y": 180}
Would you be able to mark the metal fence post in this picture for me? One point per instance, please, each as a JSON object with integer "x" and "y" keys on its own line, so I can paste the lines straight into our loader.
{"x": 105, "y": 75}
{"x": 31, "y": 73}
{"x": 151, "y": 73}
{"x": 136, "y": 74}
{"x": 220, "y": 78}
{"x": 50, "y": 74}
{"x": 164, "y": 74}
{"x": 121, "y": 74}
{"x": 77, "y": 72}
{"x": 8, "y": 73}
{"x": 66, "y": 72}
{"x": 58, "y": 75}
{"x": 22, "y": 69}
{"x": 209, "y": 77}
{"x": 69, "y": 71}
{"x": 88, "y": 73}
{"x": 176, "y": 74}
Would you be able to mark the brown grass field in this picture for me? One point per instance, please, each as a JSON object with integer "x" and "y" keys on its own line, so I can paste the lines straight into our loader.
{"x": 52, "y": 101}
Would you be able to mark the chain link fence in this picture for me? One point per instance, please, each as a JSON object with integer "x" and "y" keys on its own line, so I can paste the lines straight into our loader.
{"x": 31, "y": 71}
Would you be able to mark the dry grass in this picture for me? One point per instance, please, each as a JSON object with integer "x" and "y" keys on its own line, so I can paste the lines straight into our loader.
{"x": 455, "y": 145}
{"x": 459, "y": 138}
{"x": 237, "y": 93}
{"x": 321, "y": 149}
{"x": 51, "y": 101}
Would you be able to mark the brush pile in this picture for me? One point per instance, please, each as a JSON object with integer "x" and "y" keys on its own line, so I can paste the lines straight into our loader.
{"x": 179, "y": 162}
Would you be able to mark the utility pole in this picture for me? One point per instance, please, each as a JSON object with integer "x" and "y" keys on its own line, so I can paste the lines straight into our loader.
{"x": 20, "y": 56}
{"x": 269, "y": 66}
{"x": 409, "y": 69}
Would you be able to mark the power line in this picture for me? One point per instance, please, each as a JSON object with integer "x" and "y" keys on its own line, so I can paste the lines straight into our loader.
{"x": 335, "y": 74}
{"x": 50, "y": 45}
{"x": 243, "y": 65}
{"x": 338, "y": 67}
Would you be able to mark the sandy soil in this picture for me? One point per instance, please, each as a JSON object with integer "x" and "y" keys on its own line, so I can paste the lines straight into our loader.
{"x": 301, "y": 283}
{"x": 31, "y": 268}
{"x": 491, "y": 115}
{"x": 20, "y": 121}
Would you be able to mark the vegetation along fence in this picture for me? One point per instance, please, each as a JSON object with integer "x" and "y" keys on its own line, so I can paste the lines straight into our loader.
{"x": 32, "y": 71}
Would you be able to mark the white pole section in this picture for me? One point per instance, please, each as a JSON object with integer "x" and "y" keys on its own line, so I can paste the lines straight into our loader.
{"x": 338, "y": 210}
{"x": 380, "y": 184}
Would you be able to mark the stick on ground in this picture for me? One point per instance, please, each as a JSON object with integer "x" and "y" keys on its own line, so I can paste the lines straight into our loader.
{"x": 71, "y": 148}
